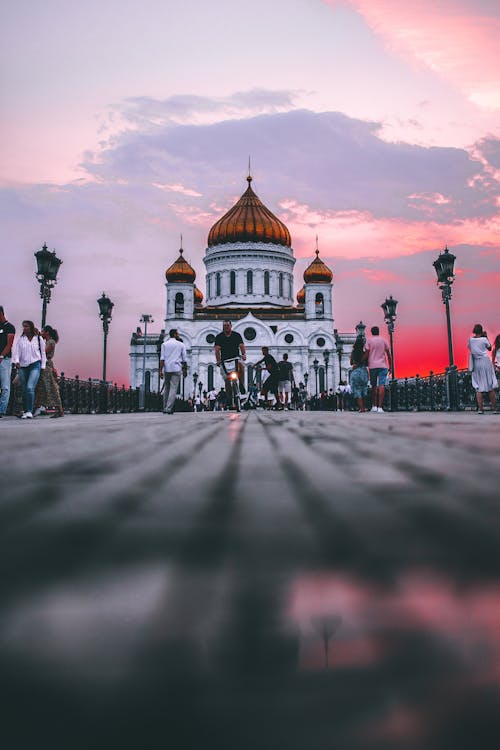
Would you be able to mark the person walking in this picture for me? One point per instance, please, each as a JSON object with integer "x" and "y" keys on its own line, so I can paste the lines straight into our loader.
{"x": 286, "y": 380}
{"x": 7, "y": 334}
{"x": 271, "y": 382}
{"x": 359, "y": 373}
{"x": 28, "y": 355}
{"x": 47, "y": 389}
{"x": 173, "y": 358}
{"x": 379, "y": 362}
{"x": 481, "y": 367}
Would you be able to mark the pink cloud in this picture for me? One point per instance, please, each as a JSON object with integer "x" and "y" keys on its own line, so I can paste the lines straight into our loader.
{"x": 457, "y": 39}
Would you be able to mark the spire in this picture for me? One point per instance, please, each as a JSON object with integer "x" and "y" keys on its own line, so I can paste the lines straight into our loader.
{"x": 181, "y": 250}
{"x": 249, "y": 178}
{"x": 317, "y": 248}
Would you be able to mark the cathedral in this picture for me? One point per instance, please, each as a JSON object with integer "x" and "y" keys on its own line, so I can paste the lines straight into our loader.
{"x": 249, "y": 265}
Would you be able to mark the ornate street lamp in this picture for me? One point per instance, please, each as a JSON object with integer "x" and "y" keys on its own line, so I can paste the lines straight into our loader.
{"x": 195, "y": 380}
{"x": 159, "y": 343}
{"x": 389, "y": 308}
{"x": 306, "y": 378}
{"x": 340, "y": 350}
{"x": 444, "y": 267}
{"x": 360, "y": 330}
{"x": 316, "y": 366}
{"x": 145, "y": 318}
{"x": 200, "y": 388}
{"x": 105, "y": 310}
{"x": 47, "y": 267}
{"x": 326, "y": 357}
{"x": 445, "y": 277}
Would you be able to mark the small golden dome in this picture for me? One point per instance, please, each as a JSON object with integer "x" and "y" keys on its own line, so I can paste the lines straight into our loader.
{"x": 181, "y": 271}
{"x": 249, "y": 221}
{"x": 317, "y": 272}
{"x": 301, "y": 296}
{"x": 198, "y": 296}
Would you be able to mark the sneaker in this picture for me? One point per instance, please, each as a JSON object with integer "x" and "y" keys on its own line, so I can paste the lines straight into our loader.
{"x": 27, "y": 415}
{"x": 374, "y": 408}
{"x": 39, "y": 410}
{"x": 480, "y": 411}
{"x": 380, "y": 410}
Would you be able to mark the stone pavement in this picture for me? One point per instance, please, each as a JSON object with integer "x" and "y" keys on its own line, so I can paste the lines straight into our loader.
{"x": 265, "y": 580}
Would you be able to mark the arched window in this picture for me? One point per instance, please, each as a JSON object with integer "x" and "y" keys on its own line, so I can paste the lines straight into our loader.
{"x": 179, "y": 303}
{"x": 209, "y": 285}
{"x": 321, "y": 375}
{"x": 210, "y": 377}
{"x": 147, "y": 381}
{"x": 249, "y": 282}
{"x": 217, "y": 284}
{"x": 320, "y": 305}
{"x": 266, "y": 282}
{"x": 232, "y": 282}
{"x": 280, "y": 285}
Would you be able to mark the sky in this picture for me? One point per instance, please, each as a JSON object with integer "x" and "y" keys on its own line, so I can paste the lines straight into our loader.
{"x": 374, "y": 124}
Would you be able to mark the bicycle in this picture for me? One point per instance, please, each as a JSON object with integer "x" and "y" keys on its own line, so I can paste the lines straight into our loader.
{"x": 229, "y": 368}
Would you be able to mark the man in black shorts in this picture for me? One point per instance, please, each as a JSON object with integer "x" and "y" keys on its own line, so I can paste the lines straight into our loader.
{"x": 270, "y": 383}
{"x": 229, "y": 345}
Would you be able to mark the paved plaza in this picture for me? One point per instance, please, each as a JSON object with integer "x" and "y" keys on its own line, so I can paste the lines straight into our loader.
{"x": 256, "y": 581}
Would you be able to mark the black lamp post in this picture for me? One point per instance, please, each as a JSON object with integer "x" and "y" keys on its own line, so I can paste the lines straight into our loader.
{"x": 145, "y": 318}
{"x": 200, "y": 388}
{"x": 195, "y": 380}
{"x": 47, "y": 267}
{"x": 158, "y": 352}
{"x": 105, "y": 310}
{"x": 316, "y": 366}
{"x": 389, "y": 308}
{"x": 360, "y": 329}
{"x": 326, "y": 357}
{"x": 306, "y": 378}
{"x": 340, "y": 350}
{"x": 444, "y": 267}
{"x": 445, "y": 277}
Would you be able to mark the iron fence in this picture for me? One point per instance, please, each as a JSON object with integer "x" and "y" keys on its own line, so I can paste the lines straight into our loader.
{"x": 94, "y": 397}
{"x": 434, "y": 392}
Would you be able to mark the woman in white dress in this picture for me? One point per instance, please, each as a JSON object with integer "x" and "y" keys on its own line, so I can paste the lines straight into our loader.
{"x": 483, "y": 373}
{"x": 495, "y": 357}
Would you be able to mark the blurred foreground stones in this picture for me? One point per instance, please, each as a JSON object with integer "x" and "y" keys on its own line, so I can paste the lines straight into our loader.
{"x": 265, "y": 580}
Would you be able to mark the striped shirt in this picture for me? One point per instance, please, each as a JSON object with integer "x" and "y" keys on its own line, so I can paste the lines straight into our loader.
{"x": 25, "y": 352}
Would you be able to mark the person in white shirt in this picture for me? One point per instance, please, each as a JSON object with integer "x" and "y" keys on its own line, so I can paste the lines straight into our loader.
{"x": 172, "y": 359}
{"x": 28, "y": 355}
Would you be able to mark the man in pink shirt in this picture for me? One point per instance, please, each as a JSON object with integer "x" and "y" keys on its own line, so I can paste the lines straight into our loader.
{"x": 379, "y": 362}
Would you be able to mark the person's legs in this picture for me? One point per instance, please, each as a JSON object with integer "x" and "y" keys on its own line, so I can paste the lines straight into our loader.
{"x": 172, "y": 380}
{"x": 380, "y": 395}
{"x": 5, "y": 370}
{"x": 29, "y": 378}
{"x": 479, "y": 397}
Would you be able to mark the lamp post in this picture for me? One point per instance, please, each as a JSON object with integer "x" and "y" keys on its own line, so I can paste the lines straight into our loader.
{"x": 389, "y": 308}
{"x": 158, "y": 352}
{"x": 306, "y": 378}
{"x": 195, "y": 380}
{"x": 360, "y": 329}
{"x": 444, "y": 267}
{"x": 316, "y": 365}
{"x": 105, "y": 310}
{"x": 145, "y": 318}
{"x": 326, "y": 357}
{"x": 340, "y": 350}
{"x": 47, "y": 267}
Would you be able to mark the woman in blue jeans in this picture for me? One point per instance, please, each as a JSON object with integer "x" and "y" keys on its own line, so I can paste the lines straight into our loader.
{"x": 359, "y": 373}
{"x": 28, "y": 355}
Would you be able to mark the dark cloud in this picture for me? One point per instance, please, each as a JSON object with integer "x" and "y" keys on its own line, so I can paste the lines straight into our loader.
{"x": 490, "y": 150}
{"x": 326, "y": 160}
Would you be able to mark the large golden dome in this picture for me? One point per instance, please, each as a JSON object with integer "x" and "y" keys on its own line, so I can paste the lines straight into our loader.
{"x": 181, "y": 271}
{"x": 249, "y": 221}
{"x": 317, "y": 272}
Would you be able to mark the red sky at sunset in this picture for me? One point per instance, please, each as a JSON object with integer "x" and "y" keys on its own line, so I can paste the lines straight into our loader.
{"x": 373, "y": 124}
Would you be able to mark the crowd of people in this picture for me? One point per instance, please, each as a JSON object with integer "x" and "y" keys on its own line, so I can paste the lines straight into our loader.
{"x": 28, "y": 377}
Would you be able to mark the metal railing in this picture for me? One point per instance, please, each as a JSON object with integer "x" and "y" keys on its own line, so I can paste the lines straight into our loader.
{"x": 94, "y": 397}
{"x": 450, "y": 390}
